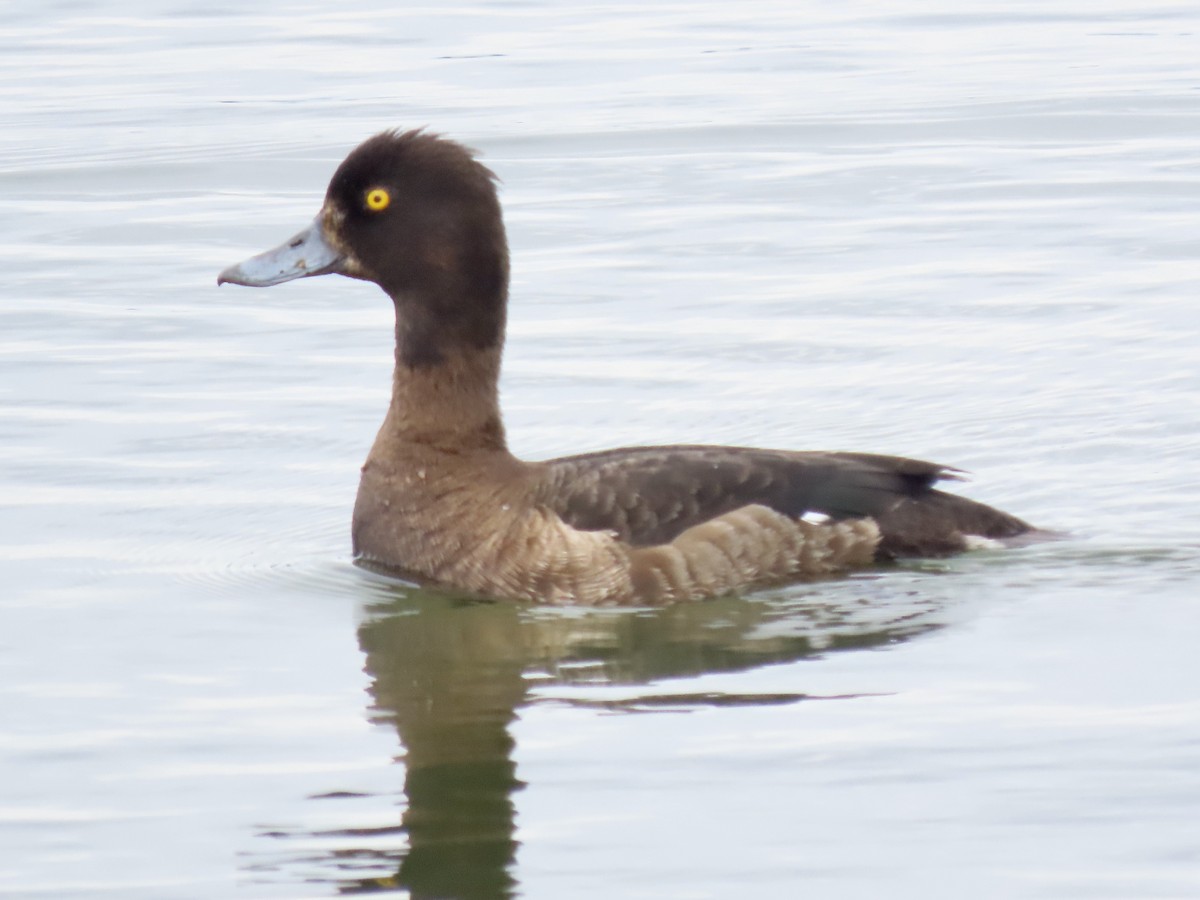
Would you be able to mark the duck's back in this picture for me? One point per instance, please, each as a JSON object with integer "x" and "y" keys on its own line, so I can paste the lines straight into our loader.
{"x": 651, "y": 495}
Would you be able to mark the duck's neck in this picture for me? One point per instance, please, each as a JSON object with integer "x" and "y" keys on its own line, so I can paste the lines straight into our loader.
{"x": 451, "y": 403}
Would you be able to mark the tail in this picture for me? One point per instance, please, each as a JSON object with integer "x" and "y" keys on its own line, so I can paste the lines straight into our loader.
{"x": 934, "y": 523}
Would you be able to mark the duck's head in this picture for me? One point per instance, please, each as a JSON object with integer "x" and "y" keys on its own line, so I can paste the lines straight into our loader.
{"x": 418, "y": 215}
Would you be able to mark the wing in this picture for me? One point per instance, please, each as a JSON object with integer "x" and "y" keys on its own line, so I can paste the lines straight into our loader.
{"x": 649, "y": 495}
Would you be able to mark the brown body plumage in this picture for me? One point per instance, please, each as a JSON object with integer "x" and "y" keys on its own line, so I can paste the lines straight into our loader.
{"x": 441, "y": 498}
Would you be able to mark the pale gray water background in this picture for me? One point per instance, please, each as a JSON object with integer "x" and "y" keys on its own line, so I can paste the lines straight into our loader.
{"x": 967, "y": 232}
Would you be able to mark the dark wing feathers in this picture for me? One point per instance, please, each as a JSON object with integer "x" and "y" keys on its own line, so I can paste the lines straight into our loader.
{"x": 649, "y": 495}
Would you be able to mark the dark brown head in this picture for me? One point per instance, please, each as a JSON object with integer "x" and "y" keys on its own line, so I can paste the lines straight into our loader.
{"x": 418, "y": 215}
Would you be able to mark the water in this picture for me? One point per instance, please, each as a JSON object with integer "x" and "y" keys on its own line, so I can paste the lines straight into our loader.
{"x": 965, "y": 233}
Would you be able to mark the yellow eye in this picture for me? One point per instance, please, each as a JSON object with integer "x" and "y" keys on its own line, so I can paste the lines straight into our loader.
{"x": 378, "y": 199}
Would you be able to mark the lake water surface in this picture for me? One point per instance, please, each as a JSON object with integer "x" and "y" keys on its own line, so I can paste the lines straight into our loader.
{"x": 964, "y": 232}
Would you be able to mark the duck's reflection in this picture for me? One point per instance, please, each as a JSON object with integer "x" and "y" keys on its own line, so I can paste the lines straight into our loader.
{"x": 451, "y": 676}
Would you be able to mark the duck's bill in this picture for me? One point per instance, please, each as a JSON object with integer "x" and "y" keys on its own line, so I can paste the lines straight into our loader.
{"x": 308, "y": 253}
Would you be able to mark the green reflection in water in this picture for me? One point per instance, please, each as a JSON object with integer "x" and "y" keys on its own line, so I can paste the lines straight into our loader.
{"x": 451, "y": 674}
